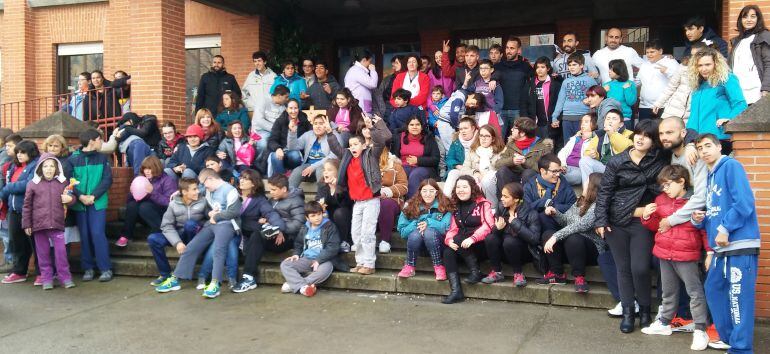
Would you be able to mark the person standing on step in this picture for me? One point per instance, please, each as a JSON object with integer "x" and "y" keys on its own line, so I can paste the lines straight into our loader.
{"x": 360, "y": 175}
{"x": 424, "y": 221}
{"x": 91, "y": 169}
{"x": 316, "y": 250}
{"x": 223, "y": 210}
{"x": 516, "y": 234}
{"x": 181, "y": 221}
{"x": 213, "y": 84}
{"x": 256, "y": 90}
{"x": 471, "y": 223}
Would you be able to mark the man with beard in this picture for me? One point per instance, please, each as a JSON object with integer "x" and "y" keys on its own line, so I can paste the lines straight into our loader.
{"x": 569, "y": 45}
{"x": 615, "y": 50}
{"x": 213, "y": 84}
{"x": 448, "y": 69}
{"x": 513, "y": 73}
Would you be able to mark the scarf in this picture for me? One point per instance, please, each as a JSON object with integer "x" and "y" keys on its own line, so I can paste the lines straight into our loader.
{"x": 546, "y": 188}
{"x": 485, "y": 158}
{"x": 467, "y": 143}
{"x": 525, "y": 143}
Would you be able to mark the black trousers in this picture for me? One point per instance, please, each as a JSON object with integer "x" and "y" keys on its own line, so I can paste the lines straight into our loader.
{"x": 21, "y": 245}
{"x": 145, "y": 210}
{"x": 515, "y": 250}
{"x": 580, "y": 251}
{"x": 475, "y": 253}
{"x": 342, "y": 218}
{"x": 631, "y": 247}
{"x": 254, "y": 248}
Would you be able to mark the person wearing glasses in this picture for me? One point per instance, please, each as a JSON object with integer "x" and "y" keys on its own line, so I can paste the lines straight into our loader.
{"x": 550, "y": 188}
{"x": 483, "y": 154}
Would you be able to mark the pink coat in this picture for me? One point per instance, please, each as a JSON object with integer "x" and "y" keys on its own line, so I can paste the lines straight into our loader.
{"x": 445, "y": 81}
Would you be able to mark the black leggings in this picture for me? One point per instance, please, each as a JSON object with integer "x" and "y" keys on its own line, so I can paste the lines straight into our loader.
{"x": 580, "y": 251}
{"x": 631, "y": 247}
{"x": 144, "y": 210}
{"x": 21, "y": 245}
{"x": 555, "y": 258}
{"x": 256, "y": 245}
{"x": 515, "y": 250}
{"x": 342, "y": 218}
{"x": 470, "y": 254}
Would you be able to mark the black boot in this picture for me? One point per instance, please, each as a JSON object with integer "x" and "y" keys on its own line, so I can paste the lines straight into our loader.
{"x": 627, "y": 323}
{"x": 456, "y": 292}
{"x": 645, "y": 319}
{"x": 473, "y": 265}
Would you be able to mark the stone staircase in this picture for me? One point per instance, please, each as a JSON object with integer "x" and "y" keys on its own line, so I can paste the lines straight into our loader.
{"x": 136, "y": 260}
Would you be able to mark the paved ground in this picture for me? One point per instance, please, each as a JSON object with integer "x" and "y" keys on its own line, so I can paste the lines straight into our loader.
{"x": 126, "y": 315}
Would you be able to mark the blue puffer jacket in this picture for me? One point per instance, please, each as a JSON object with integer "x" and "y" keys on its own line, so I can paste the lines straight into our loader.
{"x": 13, "y": 192}
{"x": 436, "y": 220}
{"x": 295, "y": 84}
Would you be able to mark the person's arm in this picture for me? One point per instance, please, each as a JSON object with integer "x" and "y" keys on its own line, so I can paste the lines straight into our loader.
{"x": 629, "y": 93}
{"x": 334, "y": 145}
{"x": 399, "y": 188}
{"x": 235, "y": 87}
{"x": 430, "y": 160}
{"x": 673, "y": 84}
{"x": 26, "y": 209}
{"x": 559, "y": 104}
{"x": 20, "y": 186}
{"x": 106, "y": 181}
{"x": 232, "y": 209}
{"x": 452, "y": 232}
{"x": 247, "y": 92}
{"x": 381, "y": 135}
{"x": 535, "y": 202}
{"x": 697, "y": 200}
{"x": 447, "y": 69}
{"x": 590, "y": 67}
{"x": 331, "y": 248}
{"x": 162, "y": 195}
{"x": 296, "y": 219}
{"x": 499, "y": 98}
{"x": 734, "y": 97}
{"x": 487, "y": 222}
{"x": 506, "y": 158}
{"x": 722, "y": 46}
{"x": 582, "y": 224}
{"x": 297, "y": 143}
{"x": 299, "y": 241}
{"x": 369, "y": 81}
{"x": 765, "y": 56}
{"x": 397, "y": 83}
{"x": 405, "y": 226}
{"x": 274, "y": 142}
{"x": 526, "y": 227}
{"x": 606, "y": 192}
{"x": 272, "y": 216}
{"x": 168, "y": 227}
{"x": 743, "y": 198}
{"x": 618, "y": 142}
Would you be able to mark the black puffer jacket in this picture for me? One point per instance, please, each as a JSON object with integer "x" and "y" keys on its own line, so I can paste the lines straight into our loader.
{"x": 526, "y": 225}
{"x": 626, "y": 186}
{"x": 211, "y": 87}
{"x": 280, "y": 133}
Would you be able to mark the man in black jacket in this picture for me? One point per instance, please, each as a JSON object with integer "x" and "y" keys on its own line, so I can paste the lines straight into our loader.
{"x": 213, "y": 84}
{"x": 513, "y": 74}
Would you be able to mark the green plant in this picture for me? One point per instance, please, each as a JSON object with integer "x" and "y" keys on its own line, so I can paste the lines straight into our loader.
{"x": 290, "y": 44}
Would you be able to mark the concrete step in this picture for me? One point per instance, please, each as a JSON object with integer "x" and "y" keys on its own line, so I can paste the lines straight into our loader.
{"x": 423, "y": 283}
{"x": 389, "y": 261}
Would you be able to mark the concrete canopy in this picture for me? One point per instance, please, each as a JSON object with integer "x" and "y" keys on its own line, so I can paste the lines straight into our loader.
{"x": 61, "y": 123}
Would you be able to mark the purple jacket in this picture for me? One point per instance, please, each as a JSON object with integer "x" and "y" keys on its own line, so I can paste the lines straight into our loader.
{"x": 445, "y": 81}
{"x": 163, "y": 187}
{"x": 43, "y": 209}
{"x": 361, "y": 82}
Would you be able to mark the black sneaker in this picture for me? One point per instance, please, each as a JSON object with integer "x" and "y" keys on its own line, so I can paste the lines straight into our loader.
{"x": 548, "y": 278}
{"x": 247, "y": 283}
{"x": 560, "y": 279}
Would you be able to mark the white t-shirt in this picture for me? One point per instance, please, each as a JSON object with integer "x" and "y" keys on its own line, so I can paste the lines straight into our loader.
{"x": 603, "y": 56}
{"x": 411, "y": 85}
{"x": 746, "y": 71}
{"x": 653, "y": 81}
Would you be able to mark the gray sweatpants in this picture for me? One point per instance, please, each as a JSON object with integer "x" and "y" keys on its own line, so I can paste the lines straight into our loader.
{"x": 363, "y": 228}
{"x": 220, "y": 234}
{"x": 300, "y": 272}
{"x": 689, "y": 272}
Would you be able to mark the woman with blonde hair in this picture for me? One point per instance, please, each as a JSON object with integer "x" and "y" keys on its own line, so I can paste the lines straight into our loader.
{"x": 212, "y": 132}
{"x": 717, "y": 97}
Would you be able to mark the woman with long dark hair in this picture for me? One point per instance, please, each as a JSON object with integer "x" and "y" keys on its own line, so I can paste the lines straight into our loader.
{"x": 750, "y": 55}
{"x": 424, "y": 222}
{"x": 361, "y": 79}
{"x": 345, "y": 113}
{"x": 622, "y": 89}
{"x": 437, "y": 78}
{"x": 418, "y": 151}
{"x": 630, "y": 183}
{"x": 472, "y": 221}
{"x": 231, "y": 109}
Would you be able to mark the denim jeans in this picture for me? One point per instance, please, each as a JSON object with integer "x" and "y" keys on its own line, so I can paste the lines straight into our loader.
{"x": 291, "y": 160}
{"x": 6, "y": 241}
{"x": 158, "y": 244}
{"x": 231, "y": 261}
{"x": 508, "y": 116}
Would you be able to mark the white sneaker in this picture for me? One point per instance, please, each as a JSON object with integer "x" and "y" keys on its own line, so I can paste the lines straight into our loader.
{"x": 285, "y": 288}
{"x": 700, "y": 340}
{"x": 657, "y": 315}
{"x": 201, "y": 284}
{"x": 720, "y": 345}
{"x": 384, "y": 247}
{"x": 616, "y": 311}
{"x": 354, "y": 248}
{"x": 657, "y": 328}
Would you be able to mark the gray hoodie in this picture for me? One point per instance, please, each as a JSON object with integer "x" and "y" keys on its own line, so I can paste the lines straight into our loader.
{"x": 178, "y": 214}
{"x": 292, "y": 211}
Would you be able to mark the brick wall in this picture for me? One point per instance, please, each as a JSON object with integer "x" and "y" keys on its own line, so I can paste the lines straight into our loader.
{"x": 118, "y": 194}
{"x": 431, "y": 40}
{"x": 18, "y": 52}
{"x": 581, "y": 26}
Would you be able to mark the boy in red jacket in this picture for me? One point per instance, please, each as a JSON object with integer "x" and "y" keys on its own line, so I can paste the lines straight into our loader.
{"x": 679, "y": 250}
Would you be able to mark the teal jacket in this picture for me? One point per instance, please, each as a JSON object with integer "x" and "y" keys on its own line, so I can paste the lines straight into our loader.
{"x": 296, "y": 85}
{"x": 455, "y": 156}
{"x": 623, "y": 92}
{"x": 711, "y": 103}
{"x": 435, "y": 219}
{"x": 226, "y": 117}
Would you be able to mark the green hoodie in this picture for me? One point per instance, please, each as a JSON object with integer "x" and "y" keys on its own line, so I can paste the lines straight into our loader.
{"x": 94, "y": 175}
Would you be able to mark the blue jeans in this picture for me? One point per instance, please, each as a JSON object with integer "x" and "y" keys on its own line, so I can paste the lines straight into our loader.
{"x": 94, "y": 250}
{"x": 231, "y": 261}
{"x": 291, "y": 160}
{"x": 569, "y": 129}
{"x": 415, "y": 175}
{"x": 609, "y": 272}
{"x": 137, "y": 151}
{"x": 5, "y": 237}
{"x": 431, "y": 239}
{"x": 158, "y": 244}
{"x": 508, "y": 116}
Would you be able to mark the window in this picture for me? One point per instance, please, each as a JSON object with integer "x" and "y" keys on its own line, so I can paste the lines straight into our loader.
{"x": 634, "y": 37}
{"x": 483, "y": 43}
{"x": 383, "y": 52}
{"x": 533, "y": 46}
{"x": 75, "y": 58}
{"x": 199, "y": 52}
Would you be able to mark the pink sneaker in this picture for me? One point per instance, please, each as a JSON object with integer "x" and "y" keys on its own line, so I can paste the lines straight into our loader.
{"x": 122, "y": 242}
{"x": 440, "y": 272}
{"x": 519, "y": 280}
{"x": 14, "y": 278}
{"x": 406, "y": 272}
{"x": 38, "y": 281}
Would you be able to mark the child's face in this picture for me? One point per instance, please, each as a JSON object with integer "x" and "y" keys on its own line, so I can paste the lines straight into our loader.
{"x": 236, "y": 130}
{"x": 214, "y": 166}
{"x": 585, "y": 124}
{"x": 541, "y": 70}
{"x": 485, "y": 71}
{"x": 342, "y": 101}
{"x": 330, "y": 173}
{"x": 168, "y": 133}
{"x": 400, "y": 102}
{"x": 54, "y": 148}
{"x": 612, "y": 122}
{"x": 613, "y": 75}
{"x": 674, "y": 189}
{"x": 315, "y": 219}
{"x": 575, "y": 68}
{"x": 147, "y": 173}
{"x": 288, "y": 70}
{"x": 9, "y": 145}
{"x": 191, "y": 192}
{"x": 276, "y": 192}
{"x": 436, "y": 96}
{"x": 463, "y": 190}
{"x": 355, "y": 146}
{"x": 49, "y": 169}
{"x": 708, "y": 151}
{"x": 193, "y": 141}
{"x": 22, "y": 157}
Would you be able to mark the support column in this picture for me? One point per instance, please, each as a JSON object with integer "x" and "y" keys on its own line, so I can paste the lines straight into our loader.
{"x": 18, "y": 64}
{"x": 431, "y": 40}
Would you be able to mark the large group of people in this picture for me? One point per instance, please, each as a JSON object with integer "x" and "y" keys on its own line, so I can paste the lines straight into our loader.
{"x": 470, "y": 159}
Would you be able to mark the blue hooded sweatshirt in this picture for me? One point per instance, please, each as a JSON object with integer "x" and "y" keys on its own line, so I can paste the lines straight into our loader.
{"x": 571, "y": 96}
{"x": 296, "y": 85}
{"x": 730, "y": 207}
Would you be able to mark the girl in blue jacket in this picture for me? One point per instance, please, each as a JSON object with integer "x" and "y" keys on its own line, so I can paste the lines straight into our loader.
{"x": 289, "y": 78}
{"x": 21, "y": 172}
{"x": 424, "y": 221}
{"x": 622, "y": 90}
{"x": 718, "y": 97}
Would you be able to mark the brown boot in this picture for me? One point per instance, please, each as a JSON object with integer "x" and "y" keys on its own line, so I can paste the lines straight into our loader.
{"x": 366, "y": 271}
